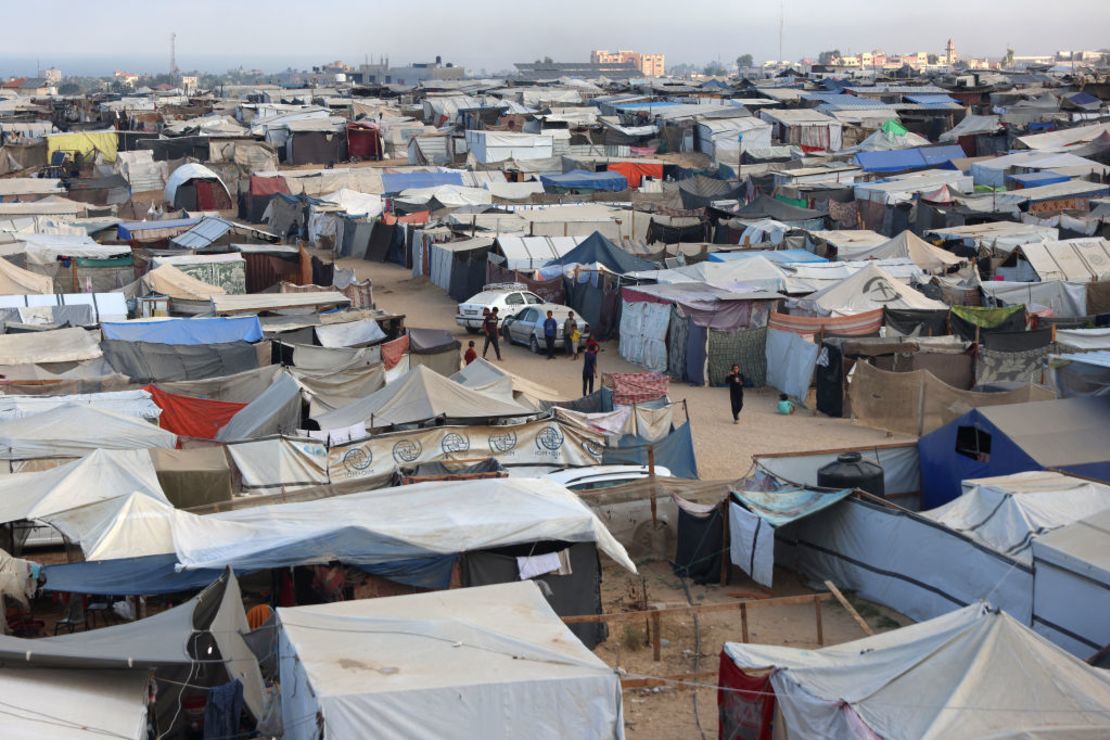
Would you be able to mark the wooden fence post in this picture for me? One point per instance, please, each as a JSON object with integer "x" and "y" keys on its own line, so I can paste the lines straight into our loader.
{"x": 656, "y": 638}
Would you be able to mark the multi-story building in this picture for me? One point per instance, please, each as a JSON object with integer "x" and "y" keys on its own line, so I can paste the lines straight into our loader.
{"x": 650, "y": 65}
{"x": 53, "y": 76}
{"x": 412, "y": 74}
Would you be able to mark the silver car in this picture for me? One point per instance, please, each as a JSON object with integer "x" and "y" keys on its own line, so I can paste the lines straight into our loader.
{"x": 526, "y": 326}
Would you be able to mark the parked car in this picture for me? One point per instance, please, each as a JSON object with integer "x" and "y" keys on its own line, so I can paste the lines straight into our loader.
{"x": 507, "y": 298}
{"x": 526, "y": 326}
{"x": 603, "y": 476}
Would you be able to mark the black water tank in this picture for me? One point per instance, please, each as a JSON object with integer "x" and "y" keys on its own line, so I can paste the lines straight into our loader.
{"x": 851, "y": 471}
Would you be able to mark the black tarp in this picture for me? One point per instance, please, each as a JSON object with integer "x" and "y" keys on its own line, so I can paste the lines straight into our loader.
{"x": 597, "y": 249}
{"x": 577, "y": 593}
{"x": 316, "y": 147}
{"x": 666, "y": 234}
{"x": 150, "y": 362}
{"x": 381, "y": 239}
{"x": 700, "y": 191}
{"x": 700, "y": 543}
{"x": 765, "y": 206}
{"x": 467, "y": 276}
{"x": 970, "y": 332}
{"x": 1016, "y": 341}
{"x": 919, "y": 321}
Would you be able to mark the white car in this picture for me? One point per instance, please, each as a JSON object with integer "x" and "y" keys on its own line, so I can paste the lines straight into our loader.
{"x": 526, "y": 326}
{"x": 604, "y": 476}
{"x": 507, "y": 298}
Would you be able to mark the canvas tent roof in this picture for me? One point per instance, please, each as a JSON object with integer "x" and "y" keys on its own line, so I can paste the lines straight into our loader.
{"x": 531, "y": 252}
{"x": 938, "y": 678}
{"x": 419, "y": 395}
{"x": 972, "y": 125}
{"x": 767, "y": 207}
{"x": 492, "y": 661}
{"x": 103, "y": 474}
{"x": 485, "y": 377}
{"x": 1007, "y": 513}
{"x": 75, "y": 430}
{"x": 164, "y": 639}
{"x": 1064, "y": 432}
{"x": 17, "y": 281}
{"x": 1074, "y": 260}
{"x": 65, "y": 704}
{"x": 1056, "y": 141}
{"x": 58, "y": 345}
{"x": 868, "y": 289}
{"x": 260, "y": 302}
{"x": 910, "y": 246}
{"x": 596, "y": 249}
{"x": 170, "y": 281}
{"x": 187, "y": 172}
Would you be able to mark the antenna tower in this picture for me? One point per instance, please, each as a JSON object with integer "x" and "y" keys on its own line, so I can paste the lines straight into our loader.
{"x": 173, "y": 55}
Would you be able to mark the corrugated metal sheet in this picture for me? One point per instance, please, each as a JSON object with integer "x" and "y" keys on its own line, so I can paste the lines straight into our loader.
{"x": 203, "y": 234}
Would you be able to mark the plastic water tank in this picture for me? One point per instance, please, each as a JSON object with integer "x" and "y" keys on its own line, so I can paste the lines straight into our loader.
{"x": 851, "y": 471}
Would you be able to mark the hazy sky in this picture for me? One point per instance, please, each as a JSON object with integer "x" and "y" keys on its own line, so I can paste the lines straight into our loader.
{"x": 213, "y": 35}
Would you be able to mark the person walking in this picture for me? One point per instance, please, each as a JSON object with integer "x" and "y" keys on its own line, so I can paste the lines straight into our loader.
{"x": 570, "y": 335}
{"x": 550, "y": 330}
{"x": 589, "y": 366}
{"x": 489, "y": 326}
{"x": 735, "y": 382}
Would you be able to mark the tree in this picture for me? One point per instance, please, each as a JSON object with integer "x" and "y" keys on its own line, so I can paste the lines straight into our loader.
{"x": 1008, "y": 60}
{"x": 69, "y": 88}
{"x": 828, "y": 57}
{"x": 745, "y": 61}
{"x": 714, "y": 69}
{"x": 933, "y": 59}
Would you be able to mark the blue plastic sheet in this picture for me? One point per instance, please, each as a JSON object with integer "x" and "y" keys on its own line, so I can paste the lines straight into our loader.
{"x": 186, "y": 331}
{"x": 674, "y": 452}
{"x": 583, "y": 180}
{"x": 788, "y": 504}
{"x": 395, "y": 182}
{"x": 790, "y": 362}
{"x": 153, "y": 574}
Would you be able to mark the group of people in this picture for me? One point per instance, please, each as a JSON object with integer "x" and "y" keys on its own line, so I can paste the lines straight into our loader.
{"x": 572, "y": 341}
{"x": 735, "y": 382}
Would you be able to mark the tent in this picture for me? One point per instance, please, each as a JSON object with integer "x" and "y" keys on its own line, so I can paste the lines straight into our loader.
{"x": 974, "y": 672}
{"x": 276, "y": 411}
{"x": 421, "y": 395}
{"x": 74, "y": 430}
{"x": 169, "y": 281}
{"x": 868, "y": 289}
{"x": 909, "y": 246}
{"x": 101, "y": 475}
{"x": 435, "y": 349}
{"x": 58, "y": 345}
{"x": 766, "y": 207}
{"x": 890, "y": 136}
{"x": 75, "y": 703}
{"x": 17, "y": 281}
{"x": 486, "y": 377}
{"x": 1080, "y": 374}
{"x": 207, "y": 629}
{"x": 596, "y": 249}
{"x": 1009, "y": 513}
{"x": 1066, "y": 434}
{"x": 194, "y": 187}
{"x": 208, "y": 330}
{"x": 577, "y": 180}
{"x": 490, "y": 662}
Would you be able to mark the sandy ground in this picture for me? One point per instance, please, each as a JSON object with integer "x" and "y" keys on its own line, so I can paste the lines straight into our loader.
{"x": 724, "y": 452}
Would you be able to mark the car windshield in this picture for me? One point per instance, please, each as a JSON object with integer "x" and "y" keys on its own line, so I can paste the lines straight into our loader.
{"x": 532, "y": 298}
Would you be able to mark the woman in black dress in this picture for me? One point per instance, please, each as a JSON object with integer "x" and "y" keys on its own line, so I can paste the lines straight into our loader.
{"x": 735, "y": 381}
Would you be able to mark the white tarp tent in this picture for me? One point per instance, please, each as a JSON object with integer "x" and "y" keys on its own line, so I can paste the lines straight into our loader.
{"x": 909, "y": 246}
{"x": 973, "y": 672}
{"x": 137, "y": 403}
{"x": 75, "y": 430}
{"x": 59, "y": 345}
{"x": 497, "y": 146}
{"x": 488, "y": 662}
{"x": 1008, "y": 513}
{"x": 869, "y": 289}
{"x": 61, "y": 704}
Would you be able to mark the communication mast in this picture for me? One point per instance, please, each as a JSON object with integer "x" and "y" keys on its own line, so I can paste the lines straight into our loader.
{"x": 173, "y": 55}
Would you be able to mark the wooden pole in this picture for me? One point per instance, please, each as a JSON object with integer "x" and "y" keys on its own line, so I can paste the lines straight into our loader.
{"x": 726, "y": 563}
{"x": 820, "y": 627}
{"x": 651, "y": 476}
{"x": 656, "y": 638}
{"x": 863, "y": 625}
{"x": 744, "y": 622}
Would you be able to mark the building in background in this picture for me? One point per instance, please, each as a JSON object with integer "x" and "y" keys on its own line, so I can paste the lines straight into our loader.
{"x": 650, "y": 65}
{"x": 53, "y": 76}
{"x": 383, "y": 74}
{"x": 588, "y": 70}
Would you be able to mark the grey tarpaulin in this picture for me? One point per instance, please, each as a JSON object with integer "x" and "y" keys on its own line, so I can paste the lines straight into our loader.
{"x": 577, "y": 593}
{"x": 746, "y": 347}
{"x": 147, "y": 362}
{"x": 916, "y": 321}
{"x": 276, "y": 411}
{"x": 695, "y": 352}
{"x": 241, "y": 387}
{"x": 1016, "y": 341}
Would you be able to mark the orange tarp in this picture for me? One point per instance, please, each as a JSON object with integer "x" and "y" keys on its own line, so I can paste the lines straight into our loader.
{"x": 192, "y": 417}
{"x": 634, "y": 172}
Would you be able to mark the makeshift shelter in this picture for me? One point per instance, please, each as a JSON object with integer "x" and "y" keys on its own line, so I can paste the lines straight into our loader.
{"x": 486, "y": 377}
{"x": 1080, "y": 374}
{"x": 17, "y": 281}
{"x": 899, "y": 684}
{"x": 203, "y": 636}
{"x": 186, "y": 293}
{"x": 194, "y": 187}
{"x": 804, "y": 127}
{"x": 75, "y": 430}
{"x": 435, "y": 349}
{"x": 1066, "y": 435}
{"x": 577, "y": 181}
{"x": 276, "y": 411}
{"x": 766, "y": 207}
{"x": 597, "y": 250}
{"x": 490, "y": 662}
{"x": 421, "y": 395}
{"x": 867, "y": 290}
{"x": 908, "y": 245}
{"x": 75, "y": 703}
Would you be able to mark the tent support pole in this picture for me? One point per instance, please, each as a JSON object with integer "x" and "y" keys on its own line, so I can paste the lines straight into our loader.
{"x": 817, "y": 616}
{"x": 651, "y": 475}
{"x": 726, "y": 564}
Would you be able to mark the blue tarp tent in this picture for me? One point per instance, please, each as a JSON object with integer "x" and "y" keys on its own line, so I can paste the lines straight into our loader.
{"x": 900, "y": 160}
{"x": 1036, "y": 179}
{"x": 597, "y": 249}
{"x": 395, "y": 182}
{"x": 583, "y": 180}
{"x": 778, "y": 256}
{"x": 186, "y": 331}
{"x": 1066, "y": 434}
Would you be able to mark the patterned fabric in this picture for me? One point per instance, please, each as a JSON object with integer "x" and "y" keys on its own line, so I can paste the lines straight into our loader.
{"x": 747, "y": 347}
{"x": 1010, "y": 367}
{"x": 860, "y": 324}
{"x": 630, "y": 388}
{"x": 844, "y": 215}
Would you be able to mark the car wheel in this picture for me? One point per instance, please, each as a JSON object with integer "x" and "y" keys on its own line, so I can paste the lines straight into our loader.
{"x": 534, "y": 345}
{"x": 471, "y": 330}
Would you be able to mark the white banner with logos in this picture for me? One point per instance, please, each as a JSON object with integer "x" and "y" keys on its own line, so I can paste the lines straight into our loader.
{"x": 535, "y": 443}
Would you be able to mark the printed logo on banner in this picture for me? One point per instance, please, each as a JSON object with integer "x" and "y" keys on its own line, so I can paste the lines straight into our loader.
{"x": 880, "y": 290}
{"x": 503, "y": 442}
{"x": 358, "y": 458}
{"x": 550, "y": 438}
{"x": 407, "y": 450}
{"x": 592, "y": 448}
{"x": 454, "y": 443}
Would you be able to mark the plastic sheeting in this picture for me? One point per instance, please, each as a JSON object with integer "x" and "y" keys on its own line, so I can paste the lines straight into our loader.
{"x": 75, "y": 430}
{"x": 276, "y": 411}
{"x": 148, "y": 362}
{"x": 350, "y": 334}
{"x": 280, "y": 463}
{"x": 495, "y": 675}
{"x": 328, "y": 390}
{"x": 72, "y": 703}
{"x": 643, "y": 334}
{"x": 583, "y": 180}
{"x": 59, "y": 345}
{"x": 193, "y": 417}
{"x": 186, "y": 331}
{"x": 790, "y": 362}
{"x": 674, "y": 452}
